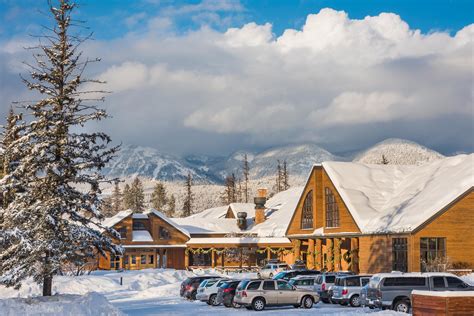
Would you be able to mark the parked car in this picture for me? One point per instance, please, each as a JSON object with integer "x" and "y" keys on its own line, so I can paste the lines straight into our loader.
{"x": 257, "y": 294}
{"x": 346, "y": 289}
{"x": 271, "y": 269}
{"x": 207, "y": 290}
{"x": 189, "y": 286}
{"x": 226, "y": 293}
{"x": 303, "y": 281}
{"x": 289, "y": 274}
{"x": 393, "y": 290}
{"x": 364, "y": 301}
{"x": 298, "y": 265}
{"x": 324, "y": 282}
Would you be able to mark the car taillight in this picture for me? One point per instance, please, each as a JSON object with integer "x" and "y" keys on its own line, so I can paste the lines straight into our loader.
{"x": 344, "y": 292}
{"x": 244, "y": 294}
{"x": 188, "y": 287}
{"x": 227, "y": 290}
{"x": 323, "y": 287}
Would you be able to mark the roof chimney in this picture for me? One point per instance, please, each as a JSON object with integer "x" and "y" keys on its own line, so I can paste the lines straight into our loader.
{"x": 259, "y": 201}
{"x": 242, "y": 220}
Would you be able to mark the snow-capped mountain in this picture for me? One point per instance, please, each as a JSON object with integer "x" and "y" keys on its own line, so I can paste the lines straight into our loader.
{"x": 398, "y": 152}
{"x": 150, "y": 163}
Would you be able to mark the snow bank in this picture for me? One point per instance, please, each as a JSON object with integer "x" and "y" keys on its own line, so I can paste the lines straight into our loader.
{"x": 61, "y": 305}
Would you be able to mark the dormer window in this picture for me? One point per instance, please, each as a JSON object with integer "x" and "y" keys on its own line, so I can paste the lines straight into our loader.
{"x": 307, "y": 212}
{"x": 138, "y": 225}
{"x": 123, "y": 232}
{"x": 332, "y": 210}
{"x": 164, "y": 233}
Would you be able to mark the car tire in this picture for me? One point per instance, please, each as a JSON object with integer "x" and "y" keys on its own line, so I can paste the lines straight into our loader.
{"x": 213, "y": 300}
{"x": 235, "y": 305}
{"x": 307, "y": 302}
{"x": 402, "y": 306}
{"x": 355, "y": 301}
{"x": 258, "y": 304}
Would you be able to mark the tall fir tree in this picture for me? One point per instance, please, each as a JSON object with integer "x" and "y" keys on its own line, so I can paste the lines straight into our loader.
{"x": 158, "y": 197}
{"x": 171, "y": 209}
{"x": 246, "y": 174}
{"x": 127, "y": 199}
{"x": 189, "y": 196}
{"x": 230, "y": 192}
{"x": 116, "y": 198}
{"x": 136, "y": 197}
{"x": 279, "y": 177}
{"x": 285, "y": 176}
{"x": 50, "y": 221}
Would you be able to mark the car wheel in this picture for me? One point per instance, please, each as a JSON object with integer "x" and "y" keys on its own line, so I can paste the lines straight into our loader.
{"x": 213, "y": 300}
{"x": 235, "y": 305}
{"x": 307, "y": 302}
{"x": 402, "y": 306}
{"x": 258, "y": 304}
{"x": 355, "y": 301}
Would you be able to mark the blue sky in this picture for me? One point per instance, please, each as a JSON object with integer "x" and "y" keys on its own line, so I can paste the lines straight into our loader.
{"x": 106, "y": 16}
{"x": 225, "y": 75}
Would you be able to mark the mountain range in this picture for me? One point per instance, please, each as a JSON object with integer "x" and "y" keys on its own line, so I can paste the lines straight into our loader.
{"x": 151, "y": 163}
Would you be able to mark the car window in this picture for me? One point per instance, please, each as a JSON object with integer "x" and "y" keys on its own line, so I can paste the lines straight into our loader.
{"x": 438, "y": 282}
{"x": 330, "y": 278}
{"x": 293, "y": 282}
{"x": 283, "y": 266}
{"x": 242, "y": 285}
{"x": 405, "y": 281}
{"x": 267, "y": 266}
{"x": 455, "y": 282}
{"x": 253, "y": 285}
{"x": 307, "y": 282}
{"x": 339, "y": 282}
{"x": 319, "y": 280}
{"x": 352, "y": 282}
{"x": 268, "y": 285}
{"x": 203, "y": 283}
{"x": 210, "y": 283}
{"x": 282, "y": 285}
{"x": 364, "y": 281}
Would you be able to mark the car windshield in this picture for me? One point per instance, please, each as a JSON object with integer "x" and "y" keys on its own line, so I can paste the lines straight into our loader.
{"x": 279, "y": 275}
{"x": 242, "y": 285}
{"x": 203, "y": 283}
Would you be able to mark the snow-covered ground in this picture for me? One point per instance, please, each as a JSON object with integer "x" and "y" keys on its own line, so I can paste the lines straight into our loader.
{"x": 145, "y": 292}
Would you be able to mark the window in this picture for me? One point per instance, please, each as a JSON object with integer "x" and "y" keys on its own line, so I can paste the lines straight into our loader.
{"x": 400, "y": 254}
{"x": 151, "y": 259}
{"x": 282, "y": 285}
{"x": 123, "y": 232}
{"x": 438, "y": 282}
{"x": 137, "y": 225}
{"x": 431, "y": 251}
{"x": 115, "y": 262}
{"x": 352, "y": 282}
{"x": 253, "y": 285}
{"x": 134, "y": 259}
{"x": 143, "y": 259}
{"x": 405, "y": 281}
{"x": 455, "y": 283}
{"x": 268, "y": 285}
{"x": 332, "y": 210}
{"x": 330, "y": 278}
{"x": 210, "y": 283}
{"x": 365, "y": 281}
{"x": 307, "y": 212}
{"x": 164, "y": 233}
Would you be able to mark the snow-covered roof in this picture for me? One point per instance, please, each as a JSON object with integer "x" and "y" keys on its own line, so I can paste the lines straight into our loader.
{"x": 241, "y": 240}
{"x": 117, "y": 218}
{"x": 279, "y": 211}
{"x": 390, "y": 198}
{"x": 248, "y": 208}
{"x": 141, "y": 235}
{"x": 169, "y": 221}
{"x": 215, "y": 212}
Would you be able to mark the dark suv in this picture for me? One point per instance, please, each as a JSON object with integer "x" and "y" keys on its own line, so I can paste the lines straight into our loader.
{"x": 290, "y": 274}
{"x": 226, "y": 293}
{"x": 189, "y": 286}
{"x": 393, "y": 290}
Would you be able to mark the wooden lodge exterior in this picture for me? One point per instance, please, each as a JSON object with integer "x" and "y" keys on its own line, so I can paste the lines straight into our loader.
{"x": 348, "y": 216}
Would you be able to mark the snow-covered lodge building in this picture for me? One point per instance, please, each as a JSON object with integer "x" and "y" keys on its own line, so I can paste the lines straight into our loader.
{"x": 366, "y": 218}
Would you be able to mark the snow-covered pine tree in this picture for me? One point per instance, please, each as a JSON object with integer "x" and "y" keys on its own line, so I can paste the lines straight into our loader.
{"x": 279, "y": 176}
{"x": 127, "y": 199}
{"x": 189, "y": 197}
{"x": 116, "y": 198}
{"x": 171, "y": 206}
{"x": 49, "y": 221}
{"x": 285, "y": 177}
{"x": 246, "y": 172}
{"x": 158, "y": 197}
{"x": 135, "y": 199}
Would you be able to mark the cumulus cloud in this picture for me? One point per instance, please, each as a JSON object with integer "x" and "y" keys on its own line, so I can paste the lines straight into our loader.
{"x": 338, "y": 81}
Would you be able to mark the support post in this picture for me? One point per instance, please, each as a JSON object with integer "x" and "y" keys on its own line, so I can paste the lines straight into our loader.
{"x": 241, "y": 258}
{"x": 186, "y": 258}
{"x": 319, "y": 254}
{"x": 310, "y": 256}
{"x": 297, "y": 249}
{"x": 269, "y": 255}
{"x": 223, "y": 258}
{"x": 337, "y": 254}
{"x": 161, "y": 258}
{"x": 355, "y": 255}
{"x": 155, "y": 257}
{"x": 213, "y": 258}
{"x": 330, "y": 254}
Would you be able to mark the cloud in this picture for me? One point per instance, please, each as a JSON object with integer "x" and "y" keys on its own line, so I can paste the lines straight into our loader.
{"x": 338, "y": 81}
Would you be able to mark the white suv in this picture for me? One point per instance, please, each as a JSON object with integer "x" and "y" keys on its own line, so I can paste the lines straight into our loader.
{"x": 207, "y": 291}
{"x": 270, "y": 269}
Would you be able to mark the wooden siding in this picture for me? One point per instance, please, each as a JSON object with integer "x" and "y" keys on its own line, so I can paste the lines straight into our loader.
{"x": 375, "y": 254}
{"x": 454, "y": 224}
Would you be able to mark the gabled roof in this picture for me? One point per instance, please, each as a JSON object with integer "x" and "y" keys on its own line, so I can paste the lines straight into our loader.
{"x": 389, "y": 198}
{"x": 248, "y": 208}
{"x": 117, "y": 218}
{"x": 169, "y": 221}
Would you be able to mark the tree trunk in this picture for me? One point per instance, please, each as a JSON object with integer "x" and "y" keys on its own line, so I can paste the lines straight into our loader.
{"x": 47, "y": 285}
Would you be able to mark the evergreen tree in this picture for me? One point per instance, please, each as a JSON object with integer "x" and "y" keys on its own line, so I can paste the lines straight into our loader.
{"x": 171, "y": 210}
{"x": 116, "y": 199}
{"x": 279, "y": 176}
{"x": 189, "y": 197}
{"x": 158, "y": 197}
{"x": 50, "y": 221}
{"x": 285, "y": 177}
{"x": 127, "y": 200}
{"x": 107, "y": 207}
{"x": 230, "y": 192}
{"x": 137, "y": 196}
{"x": 246, "y": 172}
